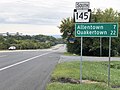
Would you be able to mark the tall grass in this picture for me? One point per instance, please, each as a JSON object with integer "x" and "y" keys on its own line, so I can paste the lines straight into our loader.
{"x": 95, "y": 71}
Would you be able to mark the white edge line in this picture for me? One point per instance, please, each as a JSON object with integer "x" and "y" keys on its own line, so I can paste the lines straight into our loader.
{"x": 18, "y": 63}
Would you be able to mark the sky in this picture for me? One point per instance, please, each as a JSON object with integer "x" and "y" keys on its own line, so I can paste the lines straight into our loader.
{"x": 33, "y": 17}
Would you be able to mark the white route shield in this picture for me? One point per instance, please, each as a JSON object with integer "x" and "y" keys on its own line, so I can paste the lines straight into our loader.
{"x": 82, "y": 15}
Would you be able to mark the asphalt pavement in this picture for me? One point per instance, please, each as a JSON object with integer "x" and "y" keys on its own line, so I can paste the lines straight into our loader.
{"x": 29, "y": 69}
{"x": 64, "y": 58}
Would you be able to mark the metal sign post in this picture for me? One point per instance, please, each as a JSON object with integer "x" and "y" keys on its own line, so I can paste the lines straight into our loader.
{"x": 109, "y": 61}
{"x": 82, "y": 14}
{"x": 100, "y": 46}
{"x": 81, "y": 60}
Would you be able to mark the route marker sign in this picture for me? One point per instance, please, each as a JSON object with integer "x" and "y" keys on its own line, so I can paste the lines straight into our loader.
{"x": 96, "y": 29}
{"x": 82, "y": 15}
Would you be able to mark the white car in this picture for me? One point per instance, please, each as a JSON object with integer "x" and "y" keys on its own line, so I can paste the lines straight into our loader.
{"x": 12, "y": 48}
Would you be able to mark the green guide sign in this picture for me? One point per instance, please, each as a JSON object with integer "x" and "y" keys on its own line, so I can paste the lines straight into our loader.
{"x": 96, "y": 29}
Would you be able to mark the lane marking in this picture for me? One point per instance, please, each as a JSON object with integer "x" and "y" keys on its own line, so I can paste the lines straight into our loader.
{"x": 3, "y": 55}
{"x": 18, "y": 63}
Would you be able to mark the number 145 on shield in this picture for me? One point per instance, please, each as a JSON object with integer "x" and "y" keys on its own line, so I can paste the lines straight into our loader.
{"x": 82, "y": 15}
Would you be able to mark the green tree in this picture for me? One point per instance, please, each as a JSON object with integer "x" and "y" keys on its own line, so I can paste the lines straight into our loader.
{"x": 68, "y": 30}
{"x": 91, "y": 45}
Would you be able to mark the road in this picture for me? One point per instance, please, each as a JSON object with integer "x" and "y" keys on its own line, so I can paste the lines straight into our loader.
{"x": 64, "y": 58}
{"x": 27, "y": 70}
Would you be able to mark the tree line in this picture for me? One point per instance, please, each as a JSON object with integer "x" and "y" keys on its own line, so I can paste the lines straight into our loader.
{"x": 91, "y": 45}
{"x": 27, "y": 41}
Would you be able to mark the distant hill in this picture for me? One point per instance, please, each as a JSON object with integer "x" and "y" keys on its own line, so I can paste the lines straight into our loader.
{"x": 56, "y": 36}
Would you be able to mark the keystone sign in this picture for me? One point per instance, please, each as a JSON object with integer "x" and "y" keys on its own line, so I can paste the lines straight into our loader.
{"x": 96, "y": 29}
{"x": 82, "y": 15}
{"x": 82, "y": 12}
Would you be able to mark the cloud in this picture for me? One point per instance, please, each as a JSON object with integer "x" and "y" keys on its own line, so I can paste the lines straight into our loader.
{"x": 34, "y": 11}
{"x": 43, "y": 12}
{"x": 41, "y": 16}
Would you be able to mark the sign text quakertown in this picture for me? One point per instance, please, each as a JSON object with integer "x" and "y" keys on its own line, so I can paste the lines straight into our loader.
{"x": 96, "y": 29}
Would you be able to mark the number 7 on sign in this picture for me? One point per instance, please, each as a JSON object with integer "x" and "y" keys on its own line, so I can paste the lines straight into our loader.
{"x": 114, "y": 26}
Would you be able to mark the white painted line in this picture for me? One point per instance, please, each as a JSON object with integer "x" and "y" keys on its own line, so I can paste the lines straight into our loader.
{"x": 3, "y": 55}
{"x": 18, "y": 63}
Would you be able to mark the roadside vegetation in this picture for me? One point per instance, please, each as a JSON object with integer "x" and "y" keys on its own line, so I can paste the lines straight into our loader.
{"x": 68, "y": 86}
{"x": 91, "y": 45}
{"x": 27, "y": 41}
{"x": 95, "y": 72}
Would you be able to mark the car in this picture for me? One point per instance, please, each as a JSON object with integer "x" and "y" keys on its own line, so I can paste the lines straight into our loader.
{"x": 12, "y": 48}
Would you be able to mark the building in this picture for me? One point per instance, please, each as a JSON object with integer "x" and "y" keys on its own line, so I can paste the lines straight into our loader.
{"x": 12, "y": 34}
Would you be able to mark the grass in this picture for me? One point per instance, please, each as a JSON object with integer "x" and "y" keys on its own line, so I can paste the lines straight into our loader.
{"x": 94, "y": 71}
{"x": 68, "y": 86}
